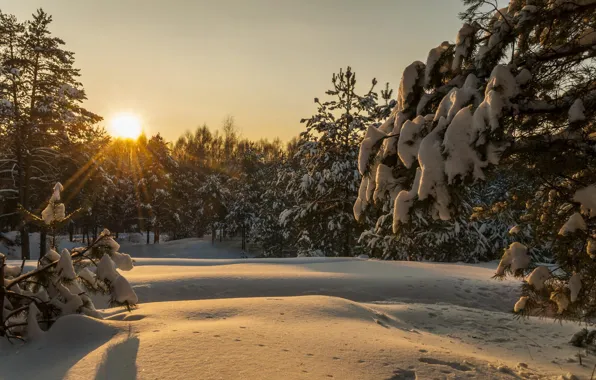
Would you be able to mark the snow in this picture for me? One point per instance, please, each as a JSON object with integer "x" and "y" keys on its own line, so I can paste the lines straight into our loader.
{"x": 121, "y": 289}
{"x": 500, "y": 29}
{"x": 461, "y": 156}
{"x": 58, "y": 188}
{"x": 432, "y": 181}
{"x": 449, "y": 151}
{"x": 575, "y": 285}
{"x": 515, "y": 257}
{"x": 51, "y": 256}
{"x": 576, "y": 111}
{"x": 110, "y": 243}
{"x": 538, "y": 276}
{"x": 34, "y": 332}
{"x": 587, "y": 198}
{"x": 403, "y": 203}
{"x": 54, "y": 211}
{"x": 123, "y": 261}
{"x": 524, "y": 77}
{"x": 390, "y": 144}
{"x": 520, "y": 304}
{"x": 463, "y": 43}
{"x": 64, "y": 267}
{"x": 501, "y": 87}
{"x": 457, "y": 98}
{"x": 72, "y": 302}
{"x": 372, "y": 137}
{"x": 574, "y": 223}
{"x": 385, "y": 182}
{"x": 266, "y": 318}
{"x": 88, "y": 276}
{"x": 502, "y": 81}
{"x": 519, "y": 255}
{"x": 12, "y": 270}
{"x": 410, "y": 79}
{"x": 434, "y": 55}
{"x": 360, "y": 201}
{"x": 409, "y": 140}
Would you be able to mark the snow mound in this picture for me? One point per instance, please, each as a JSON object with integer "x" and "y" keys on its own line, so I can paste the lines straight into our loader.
{"x": 77, "y": 328}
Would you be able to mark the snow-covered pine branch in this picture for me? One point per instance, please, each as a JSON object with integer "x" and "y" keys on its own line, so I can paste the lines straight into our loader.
{"x": 62, "y": 282}
{"x": 517, "y": 91}
{"x": 323, "y": 187}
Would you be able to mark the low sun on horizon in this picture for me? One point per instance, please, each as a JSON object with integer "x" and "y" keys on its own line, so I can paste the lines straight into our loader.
{"x": 125, "y": 125}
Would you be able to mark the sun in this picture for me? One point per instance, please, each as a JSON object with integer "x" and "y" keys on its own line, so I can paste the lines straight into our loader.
{"x": 126, "y": 126}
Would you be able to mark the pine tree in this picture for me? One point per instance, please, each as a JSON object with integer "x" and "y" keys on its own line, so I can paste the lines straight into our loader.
{"x": 61, "y": 284}
{"x": 40, "y": 108}
{"x": 517, "y": 90}
{"x": 325, "y": 187}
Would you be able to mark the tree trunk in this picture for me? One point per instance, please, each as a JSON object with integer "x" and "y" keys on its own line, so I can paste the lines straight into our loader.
{"x": 156, "y": 235}
{"x": 2, "y": 259}
{"x": 148, "y": 229}
{"x": 348, "y": 236}
{"x": 71, "y": 228}
{"x": 212, "y": 235}
{"x": 25, "y": 242}
{"x": 243, "y": 237}
{"x": 43, "y": 237}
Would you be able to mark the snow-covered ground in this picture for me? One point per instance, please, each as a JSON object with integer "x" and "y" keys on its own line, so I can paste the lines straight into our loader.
{"x": 135, "y": 245}
{"x": 302, "y": 319}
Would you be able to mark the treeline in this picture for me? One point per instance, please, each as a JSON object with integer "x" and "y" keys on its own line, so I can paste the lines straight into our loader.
{"x": 286, "y": 199}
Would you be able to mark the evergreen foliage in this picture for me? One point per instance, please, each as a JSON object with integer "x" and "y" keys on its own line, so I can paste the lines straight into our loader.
{"x": 62, "y": 282}
{"x": 517, "y": 91}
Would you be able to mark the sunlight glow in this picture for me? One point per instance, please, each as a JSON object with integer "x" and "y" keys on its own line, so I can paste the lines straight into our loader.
{"x": 125, "y": 125}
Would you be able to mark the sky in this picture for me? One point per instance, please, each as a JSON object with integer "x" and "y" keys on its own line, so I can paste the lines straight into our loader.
{"x": 179, "y": 64}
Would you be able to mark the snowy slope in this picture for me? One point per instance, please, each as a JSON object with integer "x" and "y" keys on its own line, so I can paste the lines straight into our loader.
{"x": 304, "y": 318}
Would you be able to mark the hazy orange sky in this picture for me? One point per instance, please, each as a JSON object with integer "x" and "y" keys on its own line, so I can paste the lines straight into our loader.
{"x": 179, "y": 64}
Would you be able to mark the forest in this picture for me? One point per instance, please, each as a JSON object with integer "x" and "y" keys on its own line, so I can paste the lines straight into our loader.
{"x": 284, "y": 199}
{"x": 484, "y": 151}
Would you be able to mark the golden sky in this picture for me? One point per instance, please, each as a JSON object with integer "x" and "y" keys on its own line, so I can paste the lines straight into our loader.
{"x": 178, "y": 64}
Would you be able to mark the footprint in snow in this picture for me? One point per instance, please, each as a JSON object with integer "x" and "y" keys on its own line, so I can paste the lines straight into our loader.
{"x": 403, "y": 374}
{"x": 454, "y": 365}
